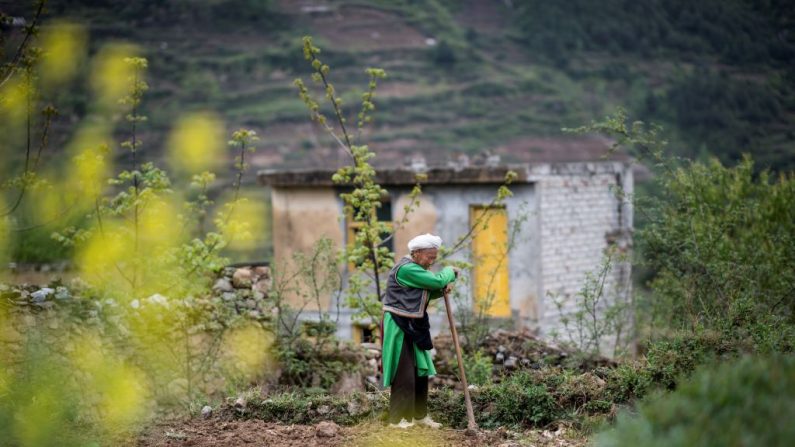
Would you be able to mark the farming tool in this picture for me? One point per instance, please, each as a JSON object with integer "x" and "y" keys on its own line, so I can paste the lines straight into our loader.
{"x": 471, "y": 424}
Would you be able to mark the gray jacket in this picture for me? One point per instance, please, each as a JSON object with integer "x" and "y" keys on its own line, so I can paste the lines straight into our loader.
{"x": 401, "y": 300}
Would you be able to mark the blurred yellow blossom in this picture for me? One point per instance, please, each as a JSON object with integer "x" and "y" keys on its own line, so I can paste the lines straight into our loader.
{"x": 13, "y": 103}
{"x": 41, "y": 418}
{"x": 110, "y": 77}
{"x": 196, "y": 142}
{"x": 102, "y": 258}
{"x": 243, "y": 222}
{"x": 159, "y": 227}
{"x": 119, "y": 398}
{"x": 248, "y": 351}
{"x": 64, "y": 46}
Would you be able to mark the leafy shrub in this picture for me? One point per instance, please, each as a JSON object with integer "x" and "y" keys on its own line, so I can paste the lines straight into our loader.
{"x": 578, "y": 391}
{"x": 520, "y": 401}
{"x": 478, "y": 368}
{"x": 302, "y": 408}
{"x": 748, "y": 402}
{"x": 723, "y": 243}
{"x": 288, "y": 407}
{"x": 305, "y": 363}
{"x": 671, "y": 358}
{"x": 309, "y": 352}
{"x": 447, "y": 407}
{"x": 443, "y": 54}
{"x": 627, "y": 381}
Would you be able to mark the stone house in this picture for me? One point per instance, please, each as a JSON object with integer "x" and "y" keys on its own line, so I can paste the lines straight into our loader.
{"x": 562, "y": 217}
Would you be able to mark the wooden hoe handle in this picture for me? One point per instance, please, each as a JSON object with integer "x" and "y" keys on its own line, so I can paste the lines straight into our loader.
{"x": 470, "y": 413}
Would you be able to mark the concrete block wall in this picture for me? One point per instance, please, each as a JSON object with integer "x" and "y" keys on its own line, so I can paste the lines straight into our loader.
{"x": 581, "y": 211}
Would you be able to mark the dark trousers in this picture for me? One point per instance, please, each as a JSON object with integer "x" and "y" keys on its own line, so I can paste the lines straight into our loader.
{"x": 409, "y": 397}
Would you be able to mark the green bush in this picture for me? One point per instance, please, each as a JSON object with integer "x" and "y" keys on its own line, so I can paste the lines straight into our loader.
{"x": 720, "y": 245}
{"x": 444, "y": 55}
{"x": 627, "y": 381}
{"x": 582, "y": 392}
{"x": 722, "y": 241}
{"x": 287, "y": 407}
{"x": 447, "y": 407}
{"x": 520, "y": 401}
{"x": 34, "y": 244}
{"x": 748, "y": 402}
{"x": 302, "y": 408}
{"x": 306, "y": 364}
{"x": 478, "y": 368}
{"x": 670, "y": 358}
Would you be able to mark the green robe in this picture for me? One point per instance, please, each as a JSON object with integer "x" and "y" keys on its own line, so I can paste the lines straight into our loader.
{"x": 411, "y": 275}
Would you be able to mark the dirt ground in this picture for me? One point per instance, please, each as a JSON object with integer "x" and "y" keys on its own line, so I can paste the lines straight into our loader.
{"x": 217, "y": 432}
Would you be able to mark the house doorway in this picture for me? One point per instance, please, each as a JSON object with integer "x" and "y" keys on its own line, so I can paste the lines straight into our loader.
{"x": 490, "y": 286}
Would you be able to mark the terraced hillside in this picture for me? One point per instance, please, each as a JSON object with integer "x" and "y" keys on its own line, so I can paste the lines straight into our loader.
{"x": 465, "y": 76}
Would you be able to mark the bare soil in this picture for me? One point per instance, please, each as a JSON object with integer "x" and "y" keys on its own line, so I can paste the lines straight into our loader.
{"x": 218, "y": 432}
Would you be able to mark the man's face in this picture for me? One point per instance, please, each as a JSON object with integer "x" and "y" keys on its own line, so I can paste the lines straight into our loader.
{"x": 425, "y": 257}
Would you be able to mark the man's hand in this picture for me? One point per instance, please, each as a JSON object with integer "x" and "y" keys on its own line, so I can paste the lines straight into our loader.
{"x": 457, "y": 272}
{"x": 448, "y": 288}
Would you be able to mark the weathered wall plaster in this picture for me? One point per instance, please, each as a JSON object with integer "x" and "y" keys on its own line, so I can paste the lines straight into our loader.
{"x": 301, "y": 216}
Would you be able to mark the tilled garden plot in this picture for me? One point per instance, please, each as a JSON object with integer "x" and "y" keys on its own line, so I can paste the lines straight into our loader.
{"x": 218, "y": 432}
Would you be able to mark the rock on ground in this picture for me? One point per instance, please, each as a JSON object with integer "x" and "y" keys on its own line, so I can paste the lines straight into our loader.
{"x": 326, "y": 429}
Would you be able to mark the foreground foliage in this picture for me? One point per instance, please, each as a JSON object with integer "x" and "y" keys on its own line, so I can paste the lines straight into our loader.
{"x": 718, "y": 242}
{"x": 748, "y": 402}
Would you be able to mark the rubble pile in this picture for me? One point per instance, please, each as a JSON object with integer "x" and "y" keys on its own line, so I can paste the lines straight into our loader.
{"x": 510, "y": 351}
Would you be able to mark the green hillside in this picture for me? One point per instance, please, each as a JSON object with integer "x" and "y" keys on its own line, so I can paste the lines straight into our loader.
{"x": 464, "y": 76}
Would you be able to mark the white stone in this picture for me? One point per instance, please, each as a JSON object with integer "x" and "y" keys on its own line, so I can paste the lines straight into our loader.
{"x": 222, "y": 285}
{"x": 158, "y": 299}
{"x": 41, "y": 294}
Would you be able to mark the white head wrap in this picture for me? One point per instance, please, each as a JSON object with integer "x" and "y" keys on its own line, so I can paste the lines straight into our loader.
{"x": 426, "y": 240}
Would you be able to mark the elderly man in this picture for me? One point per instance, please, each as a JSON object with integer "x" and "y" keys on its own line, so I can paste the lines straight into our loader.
{"x": 406, "y": 358}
